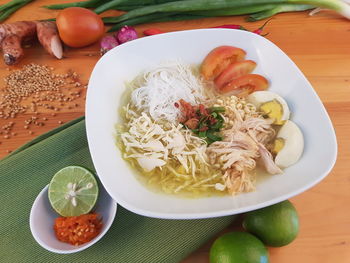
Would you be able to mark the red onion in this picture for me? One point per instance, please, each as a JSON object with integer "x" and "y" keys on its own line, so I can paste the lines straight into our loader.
{"x": 125, "y": 34}
{"x": 107, "y": 43}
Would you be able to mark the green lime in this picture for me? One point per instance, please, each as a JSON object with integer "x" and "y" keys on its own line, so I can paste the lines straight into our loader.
{"x": 238, "y": 247}
{"x": 73, "y": 191}
{"x": 276, "y": 225}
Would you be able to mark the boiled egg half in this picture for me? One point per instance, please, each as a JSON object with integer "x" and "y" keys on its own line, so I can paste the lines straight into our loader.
{"x": 288, "y": 145}
{"x": 271, "y": 104}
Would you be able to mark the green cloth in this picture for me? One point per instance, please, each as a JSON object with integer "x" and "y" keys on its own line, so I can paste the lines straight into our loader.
{"x": 132, "y": 238}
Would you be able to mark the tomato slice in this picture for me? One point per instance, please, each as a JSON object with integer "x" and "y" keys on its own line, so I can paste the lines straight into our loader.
{"x": 245, "y": 85}
{"x": 234, "y": 71}
{"x": 218, "y": 59}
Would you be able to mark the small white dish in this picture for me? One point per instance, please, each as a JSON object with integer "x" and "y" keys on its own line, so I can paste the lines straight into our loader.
{"x": 125, "y": 62}
{"x": 42, "y": 218}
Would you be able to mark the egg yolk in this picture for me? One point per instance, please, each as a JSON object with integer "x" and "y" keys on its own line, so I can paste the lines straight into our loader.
{"x": 274, "y": 110}
{"x": 278, "y": 145}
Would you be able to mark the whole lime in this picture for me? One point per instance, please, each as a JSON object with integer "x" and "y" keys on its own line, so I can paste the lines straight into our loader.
{"x": 276, "y": 225}
{"x": 238, "y": 247}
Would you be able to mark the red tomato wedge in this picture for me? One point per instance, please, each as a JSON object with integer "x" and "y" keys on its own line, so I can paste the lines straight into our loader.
{"x": 244, "y": 85}
{"x": 234, "y": 71}
{"x": 218, "y": 59}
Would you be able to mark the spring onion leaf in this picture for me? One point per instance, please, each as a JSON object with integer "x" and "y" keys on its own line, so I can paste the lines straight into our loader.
{"x": 202, "y": 134}
{"x": 217, "y": 109}
{"x": 213, "y": 137}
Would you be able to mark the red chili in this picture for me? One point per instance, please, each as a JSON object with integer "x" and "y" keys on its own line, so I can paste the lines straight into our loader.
{"x": 260, "y": 29}
{"x": 203, "y": 110}
{"x": 204, "y": 128}
{"x": 231, "y": 26}
{"x": 152, "y": 31}
{"x": 213, "y": 120}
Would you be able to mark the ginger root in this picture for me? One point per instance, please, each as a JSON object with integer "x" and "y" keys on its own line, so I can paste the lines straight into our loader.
{"x": 48, "y": 37}
{"x": 13, "y": 35}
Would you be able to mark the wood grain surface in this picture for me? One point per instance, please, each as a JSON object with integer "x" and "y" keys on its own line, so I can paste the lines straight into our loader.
{"x": 319, "y": 45}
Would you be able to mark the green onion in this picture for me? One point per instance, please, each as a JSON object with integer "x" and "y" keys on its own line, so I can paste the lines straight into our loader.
{"x": 202, "y": 134}
{"x": 114, "y": 4}
{"x": 5, "y": 14}
{"x": 278, "y": 9}
{"x": 180, "y": 6}
{"x": 124, "y": 8}
{"x": 213, "y": 137}
{"x": 85, "y": 4}
{"x": 217, "y": 109}
{"x": 244, "y": 10}
{"x": 153, "y": 18}
{"x": 10, "y": 7}
{"x": 206, "y": 5}
{"x": 217, "y": 126}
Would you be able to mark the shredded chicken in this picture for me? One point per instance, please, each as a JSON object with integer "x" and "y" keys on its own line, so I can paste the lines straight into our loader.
{"x": 242, "y": 144}
{"x": 268, "y": 162}
{"x": 236, "y": 156}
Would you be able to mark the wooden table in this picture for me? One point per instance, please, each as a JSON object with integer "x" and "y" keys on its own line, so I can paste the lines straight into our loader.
{"x": 319, "y": 45}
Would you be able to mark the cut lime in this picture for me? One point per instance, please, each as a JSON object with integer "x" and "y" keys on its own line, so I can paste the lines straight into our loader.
{"x": 73, "y": 191}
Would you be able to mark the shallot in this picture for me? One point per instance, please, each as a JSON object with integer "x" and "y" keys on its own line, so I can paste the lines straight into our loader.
{"x": 107, "y": 43}
{"x": 125, "y": 34}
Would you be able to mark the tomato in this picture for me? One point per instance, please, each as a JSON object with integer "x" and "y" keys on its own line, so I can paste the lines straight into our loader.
{"x": 79, "y": 27}
{"x": 234, "y": 71}
{"x": 245, "y": 85}
{"x": 218, "y": 59}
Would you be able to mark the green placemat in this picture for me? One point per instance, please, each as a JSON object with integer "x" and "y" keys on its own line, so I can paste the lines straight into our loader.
{"x": 132, "y": 238}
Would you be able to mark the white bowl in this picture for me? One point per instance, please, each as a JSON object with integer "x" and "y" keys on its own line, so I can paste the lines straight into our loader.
{"x": 126, "y": 61}
{"x": 42, "y": 218}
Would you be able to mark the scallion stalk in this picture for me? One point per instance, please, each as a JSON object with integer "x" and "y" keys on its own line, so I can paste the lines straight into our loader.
{"x": 125, "y": 7}
{"x": 339, "y": 6}
{"x": 85, "y": 4}
{"x": 10, "y": 7}
{"x": 114, "y": 4}
{"x": 244, "y": 10}
{"x": 206, "y": 5}
{"x": 278, "y": 9}
{"x": 153, "y": 18}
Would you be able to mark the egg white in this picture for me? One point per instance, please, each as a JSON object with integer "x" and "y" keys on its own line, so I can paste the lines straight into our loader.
{"x": 293, "y": 145}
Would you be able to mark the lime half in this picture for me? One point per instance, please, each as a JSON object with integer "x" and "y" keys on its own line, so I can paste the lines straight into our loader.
{"x": 73, "y": 191}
